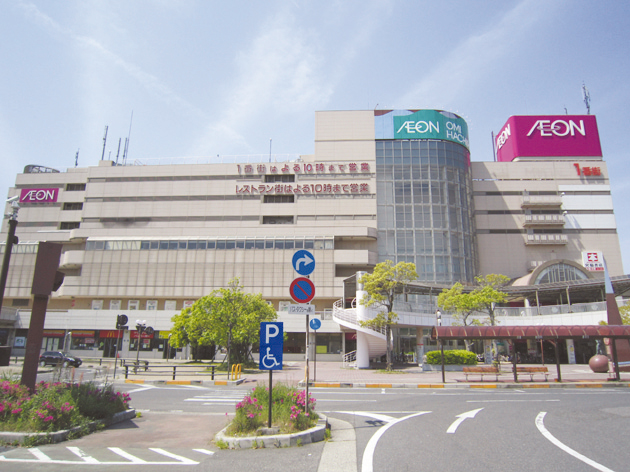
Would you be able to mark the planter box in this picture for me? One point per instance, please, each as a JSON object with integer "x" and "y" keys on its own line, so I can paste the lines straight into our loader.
{"x": 447, "y": 367}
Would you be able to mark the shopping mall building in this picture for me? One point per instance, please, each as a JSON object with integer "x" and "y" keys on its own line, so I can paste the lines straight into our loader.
{"x": 148, "y": 238}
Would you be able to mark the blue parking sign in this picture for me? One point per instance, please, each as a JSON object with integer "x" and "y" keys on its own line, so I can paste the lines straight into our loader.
{"x": 271, "y": 345}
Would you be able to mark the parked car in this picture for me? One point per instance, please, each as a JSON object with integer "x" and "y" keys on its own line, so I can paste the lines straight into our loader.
{"x": 59, "y": 358}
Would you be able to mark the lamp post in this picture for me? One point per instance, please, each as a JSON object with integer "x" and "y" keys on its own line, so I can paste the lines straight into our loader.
{"x": 438, "y": 322}
{"x": 141, "y": 325}
{"x": 11, "y": 240}
{"x": 438, "y": 317}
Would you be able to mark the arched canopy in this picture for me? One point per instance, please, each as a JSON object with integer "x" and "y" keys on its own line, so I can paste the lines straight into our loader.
{"x": 446, "y": 333}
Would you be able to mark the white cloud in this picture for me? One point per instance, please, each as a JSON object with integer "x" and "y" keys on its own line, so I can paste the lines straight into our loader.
{"x": 477, "y": 56}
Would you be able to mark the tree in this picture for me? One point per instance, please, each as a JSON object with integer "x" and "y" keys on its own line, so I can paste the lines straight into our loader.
{"x": 488, "y": 293}
{"x": 462, "y": 304}
{"x": 382, "y": 285}
{"x": 227, "y": 317}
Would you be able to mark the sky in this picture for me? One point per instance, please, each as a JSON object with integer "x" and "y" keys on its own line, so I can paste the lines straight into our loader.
{"x": 201, "y": 78}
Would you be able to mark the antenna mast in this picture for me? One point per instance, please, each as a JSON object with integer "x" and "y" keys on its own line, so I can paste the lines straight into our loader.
{"x": 127, "y": 139}
{"x": 587, "y": 98}
{"x": 76, "y": 158}
{"x": 104, "y": 143}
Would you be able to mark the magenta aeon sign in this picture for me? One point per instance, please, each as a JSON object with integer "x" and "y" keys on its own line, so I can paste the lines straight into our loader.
{"x": 548, "y": 136}
{"x": 39, "y": 195}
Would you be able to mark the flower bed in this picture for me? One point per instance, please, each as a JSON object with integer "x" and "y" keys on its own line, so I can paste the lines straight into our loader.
{"x": 288, "y": 411}
{"x": 56, "y": 406}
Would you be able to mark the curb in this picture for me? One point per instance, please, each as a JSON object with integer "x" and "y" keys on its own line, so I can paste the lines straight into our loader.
{"x": 315, "y": 434}
{"x": 10, "y": 437}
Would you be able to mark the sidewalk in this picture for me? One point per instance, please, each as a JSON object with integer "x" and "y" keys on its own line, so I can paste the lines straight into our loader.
{"x": 333, "y": 374}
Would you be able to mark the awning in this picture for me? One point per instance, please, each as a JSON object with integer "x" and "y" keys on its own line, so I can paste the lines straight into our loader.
{"x": 446, "y": 333}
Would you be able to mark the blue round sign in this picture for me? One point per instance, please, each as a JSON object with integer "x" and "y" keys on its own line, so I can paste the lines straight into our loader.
{"x": 303, "y": 262}
{"x": 315, "y": 324}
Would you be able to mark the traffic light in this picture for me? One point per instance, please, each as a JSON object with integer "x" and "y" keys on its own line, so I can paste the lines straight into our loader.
{"x": 121, "y": 321}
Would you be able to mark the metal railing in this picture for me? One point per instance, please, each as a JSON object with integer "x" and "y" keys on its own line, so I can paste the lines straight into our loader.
{"x": 148, "y": 369}
{"x": 350, "y": 359}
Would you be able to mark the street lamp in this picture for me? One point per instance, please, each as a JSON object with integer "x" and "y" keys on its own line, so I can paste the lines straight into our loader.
{"x": 438, "y": 317}
{"x": 11, "y": 240}
{"x": 141, "y": 325}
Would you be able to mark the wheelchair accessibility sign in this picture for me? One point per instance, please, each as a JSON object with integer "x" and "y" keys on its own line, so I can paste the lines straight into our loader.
{"x": 271, "y": 345}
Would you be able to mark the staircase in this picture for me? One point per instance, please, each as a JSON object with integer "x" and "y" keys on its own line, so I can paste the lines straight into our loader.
{"x": 347, "y": 317}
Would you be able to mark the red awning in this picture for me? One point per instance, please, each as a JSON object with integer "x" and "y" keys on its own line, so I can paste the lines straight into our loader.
{"x": 531, "y": 332}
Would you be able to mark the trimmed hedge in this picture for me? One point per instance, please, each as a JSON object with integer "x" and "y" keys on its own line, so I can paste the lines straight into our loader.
{"x": 454, "y": 356}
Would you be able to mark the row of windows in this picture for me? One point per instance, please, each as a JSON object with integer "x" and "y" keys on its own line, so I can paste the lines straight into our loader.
{"x": 218, "y": 244}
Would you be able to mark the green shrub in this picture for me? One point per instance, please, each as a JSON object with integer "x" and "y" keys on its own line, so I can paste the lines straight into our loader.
{"x": 452, "y": 356}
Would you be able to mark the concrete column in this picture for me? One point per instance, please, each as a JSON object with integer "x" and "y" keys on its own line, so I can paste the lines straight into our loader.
{"x": 571, "y": 351}
{"x": 363, "y": 349}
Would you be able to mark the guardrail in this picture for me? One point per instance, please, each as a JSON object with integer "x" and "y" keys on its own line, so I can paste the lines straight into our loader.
{"x": 171, "y": 370}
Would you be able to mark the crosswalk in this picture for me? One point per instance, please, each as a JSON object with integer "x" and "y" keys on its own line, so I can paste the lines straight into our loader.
{"x": 219, "y": 397}
{"x": 105, "y": 456}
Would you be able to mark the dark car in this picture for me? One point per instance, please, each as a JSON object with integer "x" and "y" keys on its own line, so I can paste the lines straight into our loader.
{"x": 59, "y": 358}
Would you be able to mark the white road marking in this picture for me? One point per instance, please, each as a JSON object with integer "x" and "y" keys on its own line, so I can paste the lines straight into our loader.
{"x": 460, "y": 419}
{"x": 141, "y": 389}
{"x": 541, "y": 427}
{"x": 376, "y": 416}
{"x": 39, "y": 454}
{"x": 368, "y": 454}
{"x": 204, "y": 451}
{"x": 126, "y": 455}
{"x": 182, "y": 459}
{"x": 86, "y": 458}
{"x": 514, "y": 401}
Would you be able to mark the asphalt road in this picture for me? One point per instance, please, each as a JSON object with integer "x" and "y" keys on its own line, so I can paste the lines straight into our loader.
{"x": 396, "y": 429}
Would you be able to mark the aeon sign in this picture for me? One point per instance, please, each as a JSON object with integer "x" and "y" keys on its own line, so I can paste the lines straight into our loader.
{"x": 548, "y": 136}
{"x": 39, "y": 195}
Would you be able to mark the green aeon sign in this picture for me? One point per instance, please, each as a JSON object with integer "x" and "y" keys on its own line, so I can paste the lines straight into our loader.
{"x": 431, "y": 124}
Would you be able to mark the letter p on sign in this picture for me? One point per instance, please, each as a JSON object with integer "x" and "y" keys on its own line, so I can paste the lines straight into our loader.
{"x": 271, "y": 331}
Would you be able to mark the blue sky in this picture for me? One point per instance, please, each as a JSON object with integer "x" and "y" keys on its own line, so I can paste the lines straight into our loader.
{"x": 207, "y": 78}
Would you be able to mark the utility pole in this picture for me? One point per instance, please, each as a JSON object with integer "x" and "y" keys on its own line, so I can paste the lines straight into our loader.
{"x": 11, "y": 240}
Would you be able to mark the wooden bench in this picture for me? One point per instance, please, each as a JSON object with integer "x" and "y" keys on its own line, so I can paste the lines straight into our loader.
{"x": 482, "y": 370}
{"x": 531, "y": 371}
{"x": 136, "y": 365}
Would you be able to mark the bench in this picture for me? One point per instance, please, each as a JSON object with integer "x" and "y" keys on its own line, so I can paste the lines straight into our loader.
{"x": 482, "y": 370}
{"x": 531, "y": 371}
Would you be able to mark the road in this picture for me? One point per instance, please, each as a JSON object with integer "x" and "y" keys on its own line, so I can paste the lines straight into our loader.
{"x": 396, "y": 429}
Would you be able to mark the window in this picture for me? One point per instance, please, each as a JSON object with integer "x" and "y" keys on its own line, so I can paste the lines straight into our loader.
{"x": 114, "y": 304}
{"x": 280, "y": 178}
{"x": 69, "y": 225}
{"x": 279, "y": 199}
{"x": 133, "y": 304}
{"x": 97, "y": 304}
{"x": 73, "y": 206}
{"x": 170, "y": 305}
{"x": 75, "y": 187}
{"x": 152, "y": 304}
{"x": 277, "y": 220}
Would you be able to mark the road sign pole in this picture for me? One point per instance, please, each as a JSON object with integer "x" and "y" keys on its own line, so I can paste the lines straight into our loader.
{"x": 315, "y": 360}
{"x": 307, "y": 373}
{"x": 270, "y": 396}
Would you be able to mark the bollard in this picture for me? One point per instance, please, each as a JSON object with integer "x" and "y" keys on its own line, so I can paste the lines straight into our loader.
{"x": 174, "y": 372}
{"x": 126, "y": 371}
{"x": 212, "y": 375}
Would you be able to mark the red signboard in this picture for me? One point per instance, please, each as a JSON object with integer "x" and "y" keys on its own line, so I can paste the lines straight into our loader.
{"x": 548, "y": 136}
{"x": 110, "y": 333}
{"x": 134, "y": 335}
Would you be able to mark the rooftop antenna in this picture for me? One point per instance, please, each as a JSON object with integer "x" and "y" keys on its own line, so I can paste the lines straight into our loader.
{"x": 269, "y": 149}
{"x": 118, "y": 153}
{"x": 104, "y": 143}
{"x": 76, "y": 158}
{"x": 127, "y": 139}
{"x": 587, "y": 98}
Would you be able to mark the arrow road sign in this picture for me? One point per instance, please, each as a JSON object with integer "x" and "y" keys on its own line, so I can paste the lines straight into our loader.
{"x": 303, "y": 262}
{"x": 302, "y": 290}
{"x": 460, "y": 419}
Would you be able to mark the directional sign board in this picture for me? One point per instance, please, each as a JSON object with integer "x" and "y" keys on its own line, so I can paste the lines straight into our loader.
{"x": 303, "y": 262}
{"x": 301, "y": 309}
{"x": 271, "y": 345}
{"x": 315, "y": 324}
{"x": 302, "y": 290}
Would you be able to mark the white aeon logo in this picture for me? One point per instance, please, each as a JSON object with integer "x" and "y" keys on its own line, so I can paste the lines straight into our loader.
{"x": 40, "y": 195}
{"x": 503, "y": 136}
{"x": 419, "y": 127}
{"x": 558, "y": 128}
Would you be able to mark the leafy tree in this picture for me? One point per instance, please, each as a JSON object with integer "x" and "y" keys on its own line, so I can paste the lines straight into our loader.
{"x": 462, "y": 305}
{"x": 488, "y": 293}
{"x": 227, "y": 317}
{"x": 382, "y": 285}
